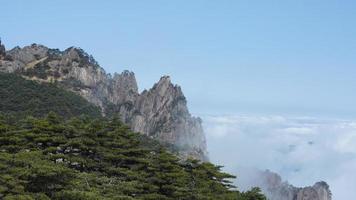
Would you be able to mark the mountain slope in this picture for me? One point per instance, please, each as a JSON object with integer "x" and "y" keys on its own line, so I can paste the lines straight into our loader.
{"x": 160, "y": 112}
{"x": 21, "y": 97}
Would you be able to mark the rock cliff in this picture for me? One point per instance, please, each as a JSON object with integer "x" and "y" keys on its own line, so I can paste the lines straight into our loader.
{"x": 272, "y": 185}
{"x": 160, "y": 112}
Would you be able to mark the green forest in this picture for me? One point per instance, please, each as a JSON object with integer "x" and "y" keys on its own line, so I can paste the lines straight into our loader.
{"x": 55, "y": 145}
{"x": 20, "y": 97}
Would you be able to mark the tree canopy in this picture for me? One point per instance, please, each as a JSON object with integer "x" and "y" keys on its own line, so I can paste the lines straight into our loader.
{"x": 21, "y": 97}
{"x": 84, "y": 158}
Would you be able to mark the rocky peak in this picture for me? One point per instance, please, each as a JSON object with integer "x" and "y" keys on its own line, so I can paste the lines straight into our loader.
{"x": 28, "y": 54}
{"x": 78, "y": 55}
{"x": 164, "y": 81}
{"x": 72, "y": 53}
{"x": 160, "y": 112}
{"x": 323, "y": 190}
{"x": 165, "y": 86}
{"x": 127, "y": 76}
{"x": 125, "y": 87}
{"x": 275, "y": 189}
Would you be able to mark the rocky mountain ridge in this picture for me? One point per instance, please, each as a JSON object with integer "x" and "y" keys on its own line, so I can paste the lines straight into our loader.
{"x": 275, "y": 188}
{"x": 160, "y": 112}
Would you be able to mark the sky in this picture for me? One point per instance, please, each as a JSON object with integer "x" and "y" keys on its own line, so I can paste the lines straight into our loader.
{"x": 275, "y": 57}
{"x": 238, "y": 62}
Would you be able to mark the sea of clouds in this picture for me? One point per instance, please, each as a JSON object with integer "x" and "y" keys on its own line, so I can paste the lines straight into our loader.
{"x": 303, "y": 150}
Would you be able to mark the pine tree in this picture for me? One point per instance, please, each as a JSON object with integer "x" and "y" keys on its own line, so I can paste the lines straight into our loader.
{"x": 84, "y": 158}
{"x": 165, "y": 176}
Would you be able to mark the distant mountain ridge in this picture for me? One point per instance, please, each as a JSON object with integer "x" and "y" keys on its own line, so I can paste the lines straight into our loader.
{"x": 273, "y": 187}
{"x": 160, "y": 112}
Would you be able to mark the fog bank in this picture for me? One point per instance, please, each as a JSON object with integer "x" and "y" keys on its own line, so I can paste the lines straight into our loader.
{"x": 302, "y": 150}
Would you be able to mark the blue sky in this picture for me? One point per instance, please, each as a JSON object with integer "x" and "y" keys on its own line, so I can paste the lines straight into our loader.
{"x": 264, "y": 57}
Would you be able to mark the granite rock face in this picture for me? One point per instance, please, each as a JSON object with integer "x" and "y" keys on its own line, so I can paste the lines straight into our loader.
{"x": 272, "y": 185}
{"x": 160, "y": 112}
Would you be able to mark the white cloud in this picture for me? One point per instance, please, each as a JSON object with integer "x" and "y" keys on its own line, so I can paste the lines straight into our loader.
{"x": 298, "y": 130}
{"x": 303, "y": 150}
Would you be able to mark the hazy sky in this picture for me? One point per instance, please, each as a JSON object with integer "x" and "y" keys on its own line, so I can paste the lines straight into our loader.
{"x": 276, "y": 57}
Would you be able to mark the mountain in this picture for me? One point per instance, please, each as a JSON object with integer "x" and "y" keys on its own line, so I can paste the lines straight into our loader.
{"x": 100, "y": 157}
{"x": 275, "y": 189}
{"x": 159, "y": 113}
{"x": 55, "y": 144}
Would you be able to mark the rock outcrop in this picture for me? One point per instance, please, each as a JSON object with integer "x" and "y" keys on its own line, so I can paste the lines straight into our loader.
{"x": 275, "y": 189}
{"x": 160, "y": 112}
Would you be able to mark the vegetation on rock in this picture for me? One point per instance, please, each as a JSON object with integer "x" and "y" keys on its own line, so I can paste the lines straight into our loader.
{"x": 21, "y": 97}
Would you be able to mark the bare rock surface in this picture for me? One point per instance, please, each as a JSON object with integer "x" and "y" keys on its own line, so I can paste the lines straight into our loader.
{"x": 160, "y": 112}
{"x": 275, "y": 189}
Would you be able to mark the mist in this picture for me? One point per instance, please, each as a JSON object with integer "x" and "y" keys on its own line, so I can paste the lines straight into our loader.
{"x": 303, "y": 150}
